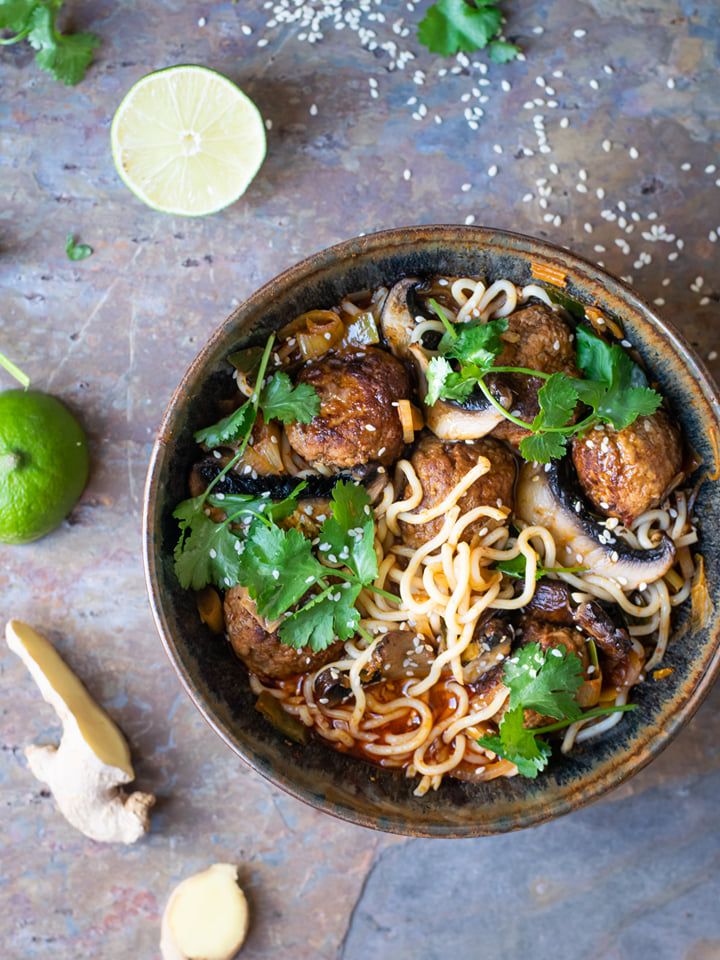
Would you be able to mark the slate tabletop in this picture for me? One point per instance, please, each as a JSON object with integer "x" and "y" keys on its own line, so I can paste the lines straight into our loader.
{"x": 604, "y": 139}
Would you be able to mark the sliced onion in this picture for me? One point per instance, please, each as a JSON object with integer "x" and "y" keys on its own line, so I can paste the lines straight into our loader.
{"x": 411, "y": 419}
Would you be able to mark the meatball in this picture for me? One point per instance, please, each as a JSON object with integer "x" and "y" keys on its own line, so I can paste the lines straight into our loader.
{"x": 440, "y": 466}
{"x": 550, "y": 635}
{"x": 625, "y": 472}
{"x": 260, "y": 648}
{"x": 357, "y": 422}
{"x": 538, "y": 339}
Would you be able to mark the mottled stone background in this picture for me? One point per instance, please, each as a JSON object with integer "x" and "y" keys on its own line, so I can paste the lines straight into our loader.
{"x": 635, "y": 876}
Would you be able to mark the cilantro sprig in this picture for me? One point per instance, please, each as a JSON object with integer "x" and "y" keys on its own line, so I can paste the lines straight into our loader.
{"x": 65, "y": 56}
{"x": 452, "y": 26}
{"x": 545, "y": 681}
{"x": 518, "y": 565}
{"x": 613, "y": 388}
{"x": 75, "y": 250}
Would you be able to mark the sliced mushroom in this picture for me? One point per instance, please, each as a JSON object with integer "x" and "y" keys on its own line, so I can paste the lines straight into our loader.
{"x": 275, "y": 487}
{"x": 547, "y": 496}
{"x": 448, "y": 420}
{"x": 552, "y": 605}
{"x": 400, "y": 655}
{"x": 494, "y": 639}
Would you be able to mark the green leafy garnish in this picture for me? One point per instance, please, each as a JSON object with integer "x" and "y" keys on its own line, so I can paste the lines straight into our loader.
{"x": 545, "y": 681}
{"x": 518, "y": 565}
{"x": 573, "y": 306}
{"x": 206, "y": 552}
{"x": 329, "y": 616}
{"x": 452, "y": 26}
{"x": 348, "y": 536}
{"x": 278, "y": 567}
{"x": 76, "y": 251}
{"x": 280, "y": 400}
{"x": 613, "y": 388}
{"x": 65, "y": 56}
{"x": 239, "y": 423}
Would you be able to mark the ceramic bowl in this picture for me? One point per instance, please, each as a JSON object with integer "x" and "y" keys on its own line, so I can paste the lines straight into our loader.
{"x": 217, "y": 682}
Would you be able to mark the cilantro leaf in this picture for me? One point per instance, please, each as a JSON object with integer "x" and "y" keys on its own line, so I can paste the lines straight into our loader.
{"x": 323, "y": 619}
{"x": 65, "y": 56}
{"x": 348, "y": 535}
{"x": 520, "y": 746}
{"x": 545, "y": 681}
{"x": 543, "y": 447}
{"x": 76, "y": 251}
{"x": 502, "y": 51}
{"x": 206, "y": 552}
{"x": 279, "y": 400}
{"x": 245, "y": 504}
{"x": 238, "y": 423}
{"x": 558, "y": 398}
{"x": 15, "y": 14}
{"x": 451, "y": 26}
{"x": 278, "y": 568}
{"x": 477, "y": 343}
{"x": 442, "y": 381}
{"x": 626, "y": 395}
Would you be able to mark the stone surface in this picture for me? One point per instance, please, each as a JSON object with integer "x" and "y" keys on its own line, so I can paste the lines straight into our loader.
{"x": 636, "y": 875}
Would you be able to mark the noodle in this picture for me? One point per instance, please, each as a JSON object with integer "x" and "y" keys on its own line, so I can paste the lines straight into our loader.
{"x": 430, "y": 725}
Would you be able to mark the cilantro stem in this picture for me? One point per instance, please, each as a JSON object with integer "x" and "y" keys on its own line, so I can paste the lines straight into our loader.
{"x": 351, "y": 578}
{"x": 526, "y": 370}
{"x": 587, "y": 715}
{"x": 452, "y": 332}
{"x": 14, "y": 371}
{"x": 17, "y": 38}
{"x": 501, "y": 409}
{"x": 255, "y": 404}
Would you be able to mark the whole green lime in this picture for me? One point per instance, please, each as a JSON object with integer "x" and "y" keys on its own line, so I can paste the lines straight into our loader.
{"x": 43, "y": 464}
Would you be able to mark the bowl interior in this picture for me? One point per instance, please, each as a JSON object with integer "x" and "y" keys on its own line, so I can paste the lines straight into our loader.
{"x": 217, "y": 681}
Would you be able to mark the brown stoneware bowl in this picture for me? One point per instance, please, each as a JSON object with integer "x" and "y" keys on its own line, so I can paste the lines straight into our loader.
{"x": 217, "y": 681}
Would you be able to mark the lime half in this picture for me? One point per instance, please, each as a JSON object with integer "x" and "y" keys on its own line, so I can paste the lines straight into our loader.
{"x": 187, "y": 141}
{"x": 43, "y": 464}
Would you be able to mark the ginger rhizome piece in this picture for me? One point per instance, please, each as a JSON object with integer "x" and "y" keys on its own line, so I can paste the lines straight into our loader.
{"x": 206, "y": 917}
{"x": 87, "y": 770}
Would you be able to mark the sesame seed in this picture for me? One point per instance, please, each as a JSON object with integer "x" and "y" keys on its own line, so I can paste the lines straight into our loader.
{"x": 492, "y": 171}
{"x": 579, "y": 34}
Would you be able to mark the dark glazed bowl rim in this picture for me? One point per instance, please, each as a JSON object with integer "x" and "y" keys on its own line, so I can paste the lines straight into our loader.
{"x": 598, "y": 782}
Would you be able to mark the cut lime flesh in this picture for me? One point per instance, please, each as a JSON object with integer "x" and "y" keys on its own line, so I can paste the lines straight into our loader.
{"x": 187, "y": 141}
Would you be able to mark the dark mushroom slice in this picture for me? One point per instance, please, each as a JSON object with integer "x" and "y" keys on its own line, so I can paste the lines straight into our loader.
{"x": 552, "y": 604}
{"x": 547, "y": 496}
{"x": 494, "y": 638}
{"x": 277, "y": 487}
{"x": 448, "y": 420}
{"x": 399, "y": 655}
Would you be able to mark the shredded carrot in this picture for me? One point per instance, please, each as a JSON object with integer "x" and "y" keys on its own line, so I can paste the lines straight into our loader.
{"x": 662, "y": 674}
{"x": 548, "y": 273}
{"x": 603, "y": 323}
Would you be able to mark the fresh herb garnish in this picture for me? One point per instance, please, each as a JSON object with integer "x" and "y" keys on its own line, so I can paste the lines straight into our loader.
{"x": 544, "y": 681}
{"x": 452, "y": 26}
{"x": 76, "y": 251}
{"x": 276, "y": 400}
{"x": 279, "y": 568}
{"x": 14, "y": 371}
{"x": 65, "y": 56}
{"x": 614, "y": 388}
{"x": 518, "y": 565}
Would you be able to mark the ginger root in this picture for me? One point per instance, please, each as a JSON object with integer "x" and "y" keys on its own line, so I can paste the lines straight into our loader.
{"x": 206, "y": 917}
{"x": 86, "y": 770}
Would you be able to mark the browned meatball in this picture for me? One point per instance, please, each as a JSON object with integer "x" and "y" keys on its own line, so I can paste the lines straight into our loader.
{"x": 260, "y": 649}
{"x": 625, "y": 472}
{"x": 441, "y": 465}
{"x": 357, "y": 422}
{"x": 538, "y": 339}
{"x": 550, "y": 635}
